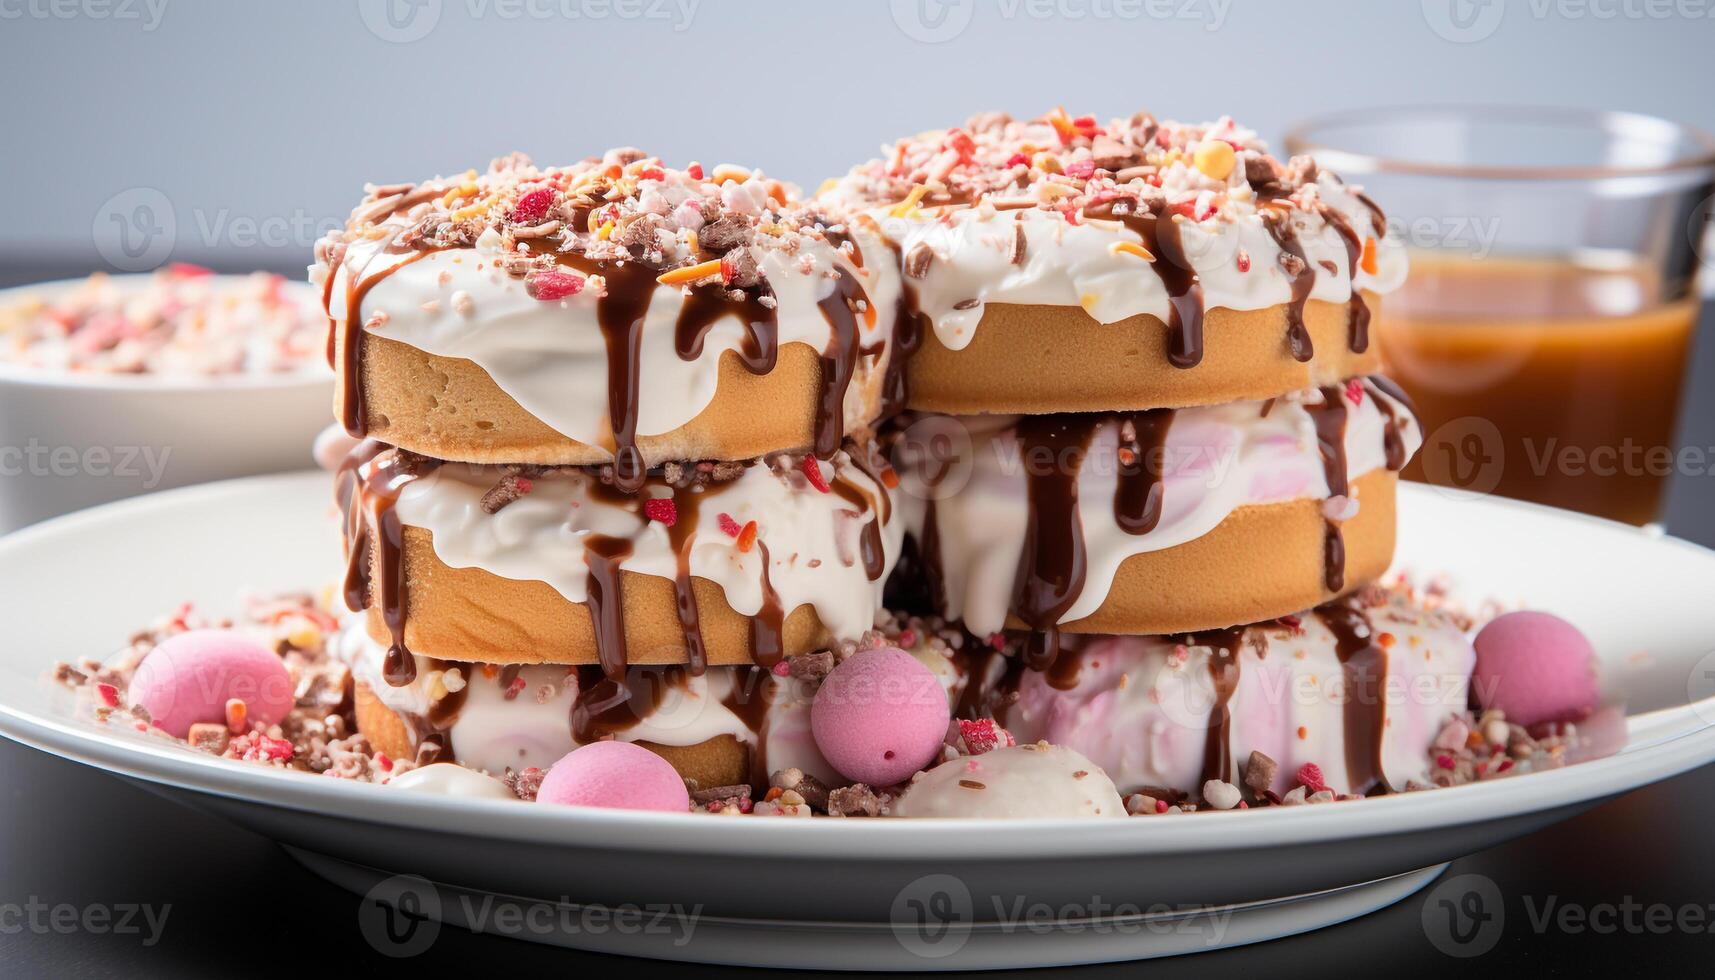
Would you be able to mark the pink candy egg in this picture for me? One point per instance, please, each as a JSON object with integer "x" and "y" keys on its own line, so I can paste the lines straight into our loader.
{"x": 617, "y": 775}
{"x": 1535, "y": 667}
{"x": 190, "y": 677}
{"x": 880, "y": 716}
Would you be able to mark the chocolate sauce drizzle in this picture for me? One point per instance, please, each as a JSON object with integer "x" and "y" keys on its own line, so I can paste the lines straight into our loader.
{"x": 1364, "y": 663}
{"x": 767, "y": 627}
{"x": 1052, "y": 565}
{"x": 1330, "y": 418}
{"x": 1357, "y": 311}
{"x": 606, "y": 601}
{"x": 1137, "y": 497}
{"x": 1163, "y": 239}
{"x": 1302, "y": 276}
{"x": 1224, "y": 646}
{"x": 374, "y": 542}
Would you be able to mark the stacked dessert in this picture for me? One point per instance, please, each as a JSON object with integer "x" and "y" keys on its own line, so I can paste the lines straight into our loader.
{"x": 1169, "y": 460}
{"x": 615, "y": 462}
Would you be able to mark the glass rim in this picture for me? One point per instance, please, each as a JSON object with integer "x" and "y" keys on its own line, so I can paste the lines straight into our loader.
{"x": 1298, "y": 140}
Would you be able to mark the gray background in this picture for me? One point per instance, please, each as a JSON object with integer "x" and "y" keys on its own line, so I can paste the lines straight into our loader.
{"x": 249, "y": 126}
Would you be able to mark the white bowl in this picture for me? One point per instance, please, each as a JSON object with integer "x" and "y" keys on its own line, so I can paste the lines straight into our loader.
{"x": 70, "y": 441}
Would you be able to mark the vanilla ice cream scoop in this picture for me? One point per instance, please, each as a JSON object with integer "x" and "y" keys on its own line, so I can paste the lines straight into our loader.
{"x": 1036, "y": 780}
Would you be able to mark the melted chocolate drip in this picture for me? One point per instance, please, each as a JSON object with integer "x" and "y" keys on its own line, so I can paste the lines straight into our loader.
{"x": 707, "y": 304}
{"x": 374, "y": 542}
{"x": 1224, "y": 646}
{"x": 1163, "y": 239}
{"x": 607, "y": 705}
{"x": 1330, "y": 418}
{"x": 1303, "y": 280}
{"x": 684, "y": 528}
{"x": 1137, "y": 496}
{"x": 767, "y": 646}
{"x": 870, "y": 550}
{"x": 607, "y": 602}
{"x": 354, "y": 409}
{"x": 1357, "y": 311}
{"x": 1051, "y": 567}
{"x": 1364, "y": 664}
{"x": 621, "y": 312}
{"x": 841, "y": 308}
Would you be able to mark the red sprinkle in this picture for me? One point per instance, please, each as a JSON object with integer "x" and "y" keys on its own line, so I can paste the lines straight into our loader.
{"x": 1310, "y": 774}
{"x": 1081, "y": 169}
{"x": 1186, "y": 208}
{"x": 109, "y": 694}
{"x": 1444, "y": 761}
{"x": 514, "y": 689}
{"x": 652, "y": 173}
{"x": 1016, "y": 159}
{"x": 383, "y": 763}
{"x": 984, "y": 736}
{"x": 552, "y": 285}
{"x": 813, "y": 472}
{"x": 661, "y": 510}
{"x": 728, "y": 526}
{"x": 1244, "y": 261}
{"x": 747, "y": 537}
{"x": 781, "y": 669}
{"x": 533, "y": 207}
{"x": 1355, "y": 391}
{"x": 727, "y": 270}
{"x": 1505, "y": 765}
{"x": 960, "y": 142}
{"x": 1160, "y": 806}
{"x": 694, "y": 171}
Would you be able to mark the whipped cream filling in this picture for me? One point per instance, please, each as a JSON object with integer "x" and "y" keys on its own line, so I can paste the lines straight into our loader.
{"x": 1214, "y": 460}
{"x": 552, "y": 357}
{"x": 1021, "y": 782}
{"x": 1144, "y": 708}
{"x": 811, "y": 541}
{"x": 977, "y": 260}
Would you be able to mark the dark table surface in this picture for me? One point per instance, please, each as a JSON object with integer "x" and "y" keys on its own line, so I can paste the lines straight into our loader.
{"x": 1586, "y": 898}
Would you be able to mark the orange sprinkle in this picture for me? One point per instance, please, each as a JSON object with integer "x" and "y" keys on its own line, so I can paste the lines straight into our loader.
{"x": 237, "y": 716}
{"x": 690, "y": 273}
{"x": 1062, "y": 125}
{"x": 1387, "y": 640}
{"x": 904, "y": 207}
{"x": 489, "y": 671}
{"x": 1132, "y": 248}
{"x": 747, "y": 537}
{"x": 1368, "y": 262}
{"x": 774, "y": 793}
{"x": 1303, "y": 733}
{"x": 889, "y": 477}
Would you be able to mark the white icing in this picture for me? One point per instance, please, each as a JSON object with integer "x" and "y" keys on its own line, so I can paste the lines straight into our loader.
{"x": 448, "y": 779}
{"x": 1217, "y": 458}
{"x": 552, "y": 357}
{"x": 811, "y": 537}
{"x": 1076, "y": 265}
{"x": 1022, "y": 782}
{"x": 534, "y": 728}
{"x": 1141, "y": 706}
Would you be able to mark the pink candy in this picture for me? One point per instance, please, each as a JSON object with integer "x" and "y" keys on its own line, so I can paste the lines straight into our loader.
{"x": 190, "y": 678}
{"x": 1535, "y": 667}
{"x": 880, "y": 716}
{"x": 617, "y": 775}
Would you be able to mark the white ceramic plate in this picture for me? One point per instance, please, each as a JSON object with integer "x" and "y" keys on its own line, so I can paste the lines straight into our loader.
{"x": 892, "y": 894}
